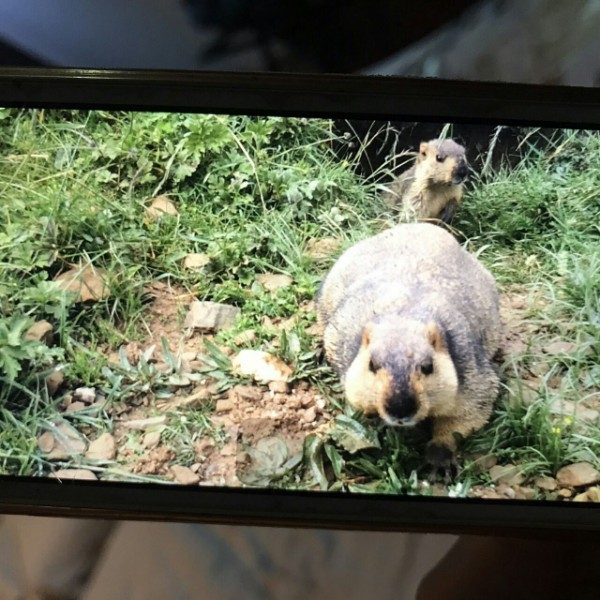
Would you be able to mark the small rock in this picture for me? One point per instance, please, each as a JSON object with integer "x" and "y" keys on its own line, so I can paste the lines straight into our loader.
{"x": 506, "y": 491}
{"x": 524, "y": 493}
{"x": 484, "y": 462}
{"x": 246, "y": 392}
{"x": 578, "y": 474}
{"x": 196, "y": 467}
{"x": 310, "y": 414}
{"x": 184, "y": 475}
{"x": 307, "y": 401}
{"x": 210, "y": 316}
{"x": 87, "y": 282}
{"x": 556, "y": 348}
{"x": 546, "y": 483}
{"x": 204, "y": 448}
{"x": 572, "y": 409}
{"x": 244, "y": 337}
{"x": 159, "y": 207}
{"x": 487, "y": 494}
{"x": 73, "y": 474}
{"x": 67, "y": 442}
{"x": 224, "y": 406}
{"x": 40, "y": 331}
{"x": 583, "y": 497}
{"x": 323, "y": 248}
{"x": 85, "y": 394}
{"x": 103, "y": 448}
{"x": 261, "y": 366}
{"x": 45, "y": 442}
{"x": 279, "y": 387}
{"x": 507, "y": 474}
{"x": 565, "y": 493}
{"x": 54, "y": 381}
{"x": 592, "y": 494}
{"x": 145, "y": 424}
{"x": 195, "y": 261}
{"x": 74, "y": 407}
{"x": 151, "y": 439}
{"x": 272, "y": 282}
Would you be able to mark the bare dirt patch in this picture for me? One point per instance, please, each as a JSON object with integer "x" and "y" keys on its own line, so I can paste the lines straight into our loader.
{"x": 240, "y": 417}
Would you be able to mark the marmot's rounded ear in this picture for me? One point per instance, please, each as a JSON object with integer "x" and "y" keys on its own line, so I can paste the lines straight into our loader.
{"x": 366, "y": 335}
{"x": 423, "y": 148}
{"x": 434, "y": 336}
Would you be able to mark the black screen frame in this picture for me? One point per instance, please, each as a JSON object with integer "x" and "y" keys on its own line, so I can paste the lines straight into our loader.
{"x": 331, "y": 96}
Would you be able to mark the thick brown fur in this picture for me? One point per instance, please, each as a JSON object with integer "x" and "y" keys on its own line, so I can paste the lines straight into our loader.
{"x": 410, "y": 321}
{"x": 433, "y": 187}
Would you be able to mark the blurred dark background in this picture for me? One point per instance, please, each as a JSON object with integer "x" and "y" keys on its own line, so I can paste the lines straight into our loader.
{"x": 537, "y": 41}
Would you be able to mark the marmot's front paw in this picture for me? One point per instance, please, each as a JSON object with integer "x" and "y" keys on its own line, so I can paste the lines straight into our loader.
{"x": 442, "y": 461}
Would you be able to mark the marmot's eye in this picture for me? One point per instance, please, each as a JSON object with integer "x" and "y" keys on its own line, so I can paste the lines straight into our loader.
{"x": 372, "y": 366}
{"x": 427, "y": 367}
{"x": 440, "y": 157}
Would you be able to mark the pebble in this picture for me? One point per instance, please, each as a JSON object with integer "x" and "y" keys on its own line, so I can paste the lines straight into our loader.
{"x": 151, "y": 439}
{"x": 310, "y": 414}
{"x": 40, "y": 331}
{"x": 87, "y": 283}
{"x": 45, "y": 442}
{"x": 84, "y": 394}
{"x": 144, "y": 424}
{"x": 261, "y": 365}
{"x": 185, "y": 475}
{"x": 559, "y": 347}
{"x": 272, "y": 282}
{"x": 307, "y": 401}
{"x": 195, "y": 261}
{"x": 590, "y": 495}
{"x": 73, "y": 474}
{"x": 279, "y": 387}
{"x": 546, "y": 483}
{"x": 103, "y": 448}
{"x": 224, "y": 405}
{"x": 508, "y": 474}
{"x": 54, "y": 381}
{"x": 67, "y": 442}
{"x": 210, "y": 316}
{"x": 578, "y": 474}
{"x": 160, "y": 206}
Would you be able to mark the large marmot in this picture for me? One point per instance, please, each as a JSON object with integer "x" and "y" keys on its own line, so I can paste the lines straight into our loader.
{"x": 410, "y": 321}
{"x": 433, "y": 187}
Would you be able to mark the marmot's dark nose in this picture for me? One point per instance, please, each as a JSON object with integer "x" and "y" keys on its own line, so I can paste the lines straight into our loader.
{"x": 401, "y": 406}
{"x": 462, "y": 171}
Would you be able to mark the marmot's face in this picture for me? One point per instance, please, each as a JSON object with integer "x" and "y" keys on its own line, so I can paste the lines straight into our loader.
{"x": 443, "y": 162}
{"x": 403, "y": 373}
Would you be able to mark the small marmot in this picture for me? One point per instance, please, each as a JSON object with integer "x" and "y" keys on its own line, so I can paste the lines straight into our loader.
{"x": 410, "y": 321}
{"x": 432, "y": 188}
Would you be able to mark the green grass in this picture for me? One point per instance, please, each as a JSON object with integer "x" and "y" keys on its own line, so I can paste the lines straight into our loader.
{"x": 251, "y": 194}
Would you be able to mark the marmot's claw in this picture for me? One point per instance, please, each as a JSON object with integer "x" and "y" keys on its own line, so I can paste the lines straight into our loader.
{"x": 442, "y": 462}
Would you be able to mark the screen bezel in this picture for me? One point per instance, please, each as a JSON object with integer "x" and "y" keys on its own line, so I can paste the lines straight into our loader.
{"x": 331, "y": 96}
